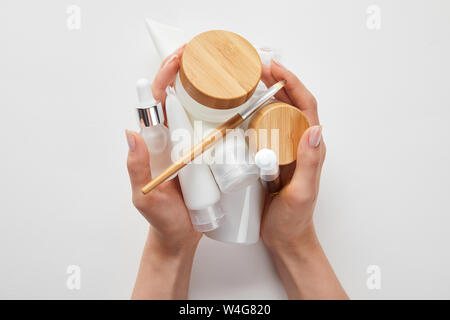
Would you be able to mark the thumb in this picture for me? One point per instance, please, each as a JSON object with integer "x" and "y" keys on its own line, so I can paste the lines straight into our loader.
{"x": 138, "y": 161}
{"x": 310, "y": 157}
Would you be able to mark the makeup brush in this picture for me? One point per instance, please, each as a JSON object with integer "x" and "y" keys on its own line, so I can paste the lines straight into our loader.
{"x": 212, "y": 138}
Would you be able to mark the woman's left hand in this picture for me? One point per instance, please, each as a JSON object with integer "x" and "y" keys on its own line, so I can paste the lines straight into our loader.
{"x": 167, "y": 259}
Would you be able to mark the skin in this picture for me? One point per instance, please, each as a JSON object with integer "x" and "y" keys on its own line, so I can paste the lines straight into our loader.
{"x": 287, "y": 227}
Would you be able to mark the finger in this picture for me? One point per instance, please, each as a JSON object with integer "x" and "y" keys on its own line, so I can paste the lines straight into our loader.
{"x": 310, "y": 157}
{"x": 138, "y": 161}
{"x": 269, "y": 80}
{"x": 164, "y": 78}
{"x": 266, "y": 76}
{"x": 296, "y": 91}
{"x": 178, "y": 52}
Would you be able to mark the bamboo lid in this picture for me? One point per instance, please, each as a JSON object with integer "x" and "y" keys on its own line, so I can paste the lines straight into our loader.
{"x": 220, "y": 69}
{"x": 291, "y": 124}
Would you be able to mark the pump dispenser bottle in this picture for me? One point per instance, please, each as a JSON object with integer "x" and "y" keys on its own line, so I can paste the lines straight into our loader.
{"x": 155, "y": 134}
{"x": 267, "y": 162}
{"x": 200, "y": 191}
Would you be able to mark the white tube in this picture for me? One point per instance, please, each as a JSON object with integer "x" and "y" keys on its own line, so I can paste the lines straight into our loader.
{"x": 200, "y": 192}
{"x": 165, "y": 38}
{"x": 243, "y": 210}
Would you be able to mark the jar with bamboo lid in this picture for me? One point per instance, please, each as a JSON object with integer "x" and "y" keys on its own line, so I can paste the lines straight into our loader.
{"x": 278, "y": 126}
{"x": 219, "y": 73}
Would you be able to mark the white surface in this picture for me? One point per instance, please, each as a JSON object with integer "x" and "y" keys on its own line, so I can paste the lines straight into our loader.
{"x": 384, "y": 103}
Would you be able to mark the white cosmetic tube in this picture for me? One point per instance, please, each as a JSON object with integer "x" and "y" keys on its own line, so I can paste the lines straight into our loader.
{"x": 243, "y": 210}
{"x": 200, "y": 192}
{"x": 166, "y": 39}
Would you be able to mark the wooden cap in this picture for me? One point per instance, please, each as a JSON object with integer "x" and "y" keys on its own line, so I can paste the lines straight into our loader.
{"x": 290, "y": 122}
{"x": 220, "y": 69}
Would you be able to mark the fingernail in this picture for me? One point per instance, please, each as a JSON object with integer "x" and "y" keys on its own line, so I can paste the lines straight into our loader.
{"x": 130, "y": 140}
{"x": 277, "y": 63}
{"x": 172, "y": 58}
{"x": 315, "y": 136}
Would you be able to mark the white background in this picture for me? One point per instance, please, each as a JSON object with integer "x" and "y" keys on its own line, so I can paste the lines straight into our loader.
{"x": 67, "y": 96}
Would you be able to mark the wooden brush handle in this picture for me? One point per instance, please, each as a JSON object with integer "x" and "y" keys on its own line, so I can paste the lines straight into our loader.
{"x": 198, "y": 149}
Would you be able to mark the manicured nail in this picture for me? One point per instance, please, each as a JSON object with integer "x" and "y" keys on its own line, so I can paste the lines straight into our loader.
{"x": 172, "y": 58}
{"x": 130, "y": 140}
{"x": 315, "y": 136}
{"x": 277, "y": 63}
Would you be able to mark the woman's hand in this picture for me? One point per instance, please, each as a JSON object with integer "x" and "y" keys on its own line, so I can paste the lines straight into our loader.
{"x": 287, "y": 225}
{"x": 288, "y": 216}
{"x": 166, "y": 262}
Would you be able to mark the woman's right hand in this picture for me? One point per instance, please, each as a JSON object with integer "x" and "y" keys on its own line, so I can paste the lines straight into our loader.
{"x": 287, "y": 227}
{"x": 287, "y": 220}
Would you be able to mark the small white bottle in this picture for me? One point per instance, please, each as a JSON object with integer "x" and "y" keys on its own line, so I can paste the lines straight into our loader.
{"x": 267, "y": 162}
{"x": 155, "y": 134}
{"x": 200, "y": 192}
{"x": 232, "y": 163}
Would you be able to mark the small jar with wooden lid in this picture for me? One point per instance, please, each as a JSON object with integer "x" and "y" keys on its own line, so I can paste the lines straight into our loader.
{"x": 218, "y": 75}
{"x": 278, "y": 126}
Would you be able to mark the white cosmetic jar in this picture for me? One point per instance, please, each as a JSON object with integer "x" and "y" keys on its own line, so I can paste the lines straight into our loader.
{"x": 202, "y": 112}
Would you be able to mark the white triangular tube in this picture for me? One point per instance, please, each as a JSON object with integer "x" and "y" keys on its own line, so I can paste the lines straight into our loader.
{"x": 165, "y": 38}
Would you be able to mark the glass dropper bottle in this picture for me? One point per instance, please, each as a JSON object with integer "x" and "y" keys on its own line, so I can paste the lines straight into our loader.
{"x": 155, "y": 134}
